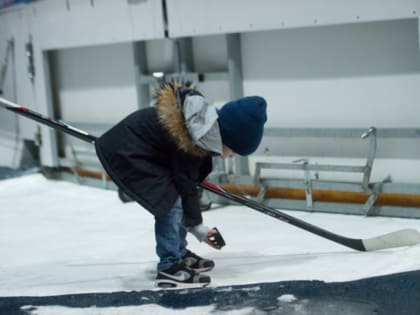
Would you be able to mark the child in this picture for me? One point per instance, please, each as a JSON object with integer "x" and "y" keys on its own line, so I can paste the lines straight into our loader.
{"x": 159, "y": 155}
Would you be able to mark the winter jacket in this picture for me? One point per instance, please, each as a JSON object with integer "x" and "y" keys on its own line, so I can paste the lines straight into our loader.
{"x": 151, "y": 156}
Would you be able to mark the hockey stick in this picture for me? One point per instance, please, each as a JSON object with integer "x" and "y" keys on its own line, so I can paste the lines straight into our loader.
{"x": 399, "y": 238}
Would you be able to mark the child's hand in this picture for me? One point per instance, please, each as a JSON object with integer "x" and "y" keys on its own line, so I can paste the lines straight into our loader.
{"x": 214, "y": 239}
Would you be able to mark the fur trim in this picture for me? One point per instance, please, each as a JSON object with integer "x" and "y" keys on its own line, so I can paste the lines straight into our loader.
{"x": 172, "y": 119}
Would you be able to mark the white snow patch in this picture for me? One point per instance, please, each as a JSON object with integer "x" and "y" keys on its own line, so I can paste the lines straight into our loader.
{"x": 224, "y": 289}
{"x": 61, "y": 238}
{"x": 251, "y": 289}
{"x": 287, "y": 298}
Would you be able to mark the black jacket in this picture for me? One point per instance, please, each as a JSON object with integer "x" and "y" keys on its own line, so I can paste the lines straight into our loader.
{"x": 152, "y": 158}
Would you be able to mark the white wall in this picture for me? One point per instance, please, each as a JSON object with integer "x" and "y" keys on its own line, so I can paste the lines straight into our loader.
{"x": 191, "y": 17}
{"x": 18, "y": 88}
{"x": 345, "y": 76}
{"x": 94, "y": 83}
{"x": 210, "y": 55}
{"x": 348, "y": 75}
{"x": 97, "y": 84}
{"x": 354, "y": 75}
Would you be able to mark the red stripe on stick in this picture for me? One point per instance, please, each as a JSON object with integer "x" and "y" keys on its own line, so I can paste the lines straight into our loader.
{"x": 212, "y": 186}
{"x": 23, "y": 109}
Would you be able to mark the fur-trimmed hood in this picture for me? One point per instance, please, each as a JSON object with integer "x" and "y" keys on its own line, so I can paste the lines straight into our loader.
{"x": 172, "y": 118}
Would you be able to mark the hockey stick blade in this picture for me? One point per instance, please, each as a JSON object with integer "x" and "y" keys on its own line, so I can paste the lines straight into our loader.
{"x": 400, "y": 238}
{"x": 406, "y": 237}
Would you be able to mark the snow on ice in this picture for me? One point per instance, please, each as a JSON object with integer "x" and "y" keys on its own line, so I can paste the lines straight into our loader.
{"x": 60, "y": 238}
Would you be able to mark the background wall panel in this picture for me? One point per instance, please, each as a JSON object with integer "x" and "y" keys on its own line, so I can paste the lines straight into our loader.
{"x": 73, "y": 23}
{"x": 15, "y": 26}
{"x": 192, "y": 17}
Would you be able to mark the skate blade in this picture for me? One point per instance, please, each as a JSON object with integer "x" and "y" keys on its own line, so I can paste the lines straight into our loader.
{"x": 200, "y": 270}
{"x": 167, "y": 284}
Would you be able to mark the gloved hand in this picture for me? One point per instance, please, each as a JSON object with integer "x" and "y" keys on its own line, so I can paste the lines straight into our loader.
{"x": 215, "y": 239}
{"x": 211, "y": 237}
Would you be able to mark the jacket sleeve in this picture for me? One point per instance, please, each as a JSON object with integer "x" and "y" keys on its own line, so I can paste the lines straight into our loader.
{"x": 186, "y": 176}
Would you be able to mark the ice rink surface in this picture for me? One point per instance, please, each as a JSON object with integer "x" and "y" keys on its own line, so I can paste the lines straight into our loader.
{"x": 59, "y": 238}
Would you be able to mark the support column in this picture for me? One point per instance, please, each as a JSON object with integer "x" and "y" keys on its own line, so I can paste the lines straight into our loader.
{"x": 44, "y": 104}
{"x": 236, "y": 87}
{"x": 41, "y": 87}
{"x": 141, "y": 71}
{"x": 416, "y": 13}
{"x": 183, "y": 55}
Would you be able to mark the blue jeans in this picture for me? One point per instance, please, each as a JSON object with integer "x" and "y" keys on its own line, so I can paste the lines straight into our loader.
{"x": 171, "y": 237}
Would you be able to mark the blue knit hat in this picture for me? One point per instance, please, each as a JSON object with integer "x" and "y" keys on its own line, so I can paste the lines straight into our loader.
{"x": 241, "y": 124}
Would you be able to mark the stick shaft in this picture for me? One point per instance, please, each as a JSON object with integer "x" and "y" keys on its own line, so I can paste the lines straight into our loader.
{"x": 356, "y": 244}
{"x": 55, "y": 124}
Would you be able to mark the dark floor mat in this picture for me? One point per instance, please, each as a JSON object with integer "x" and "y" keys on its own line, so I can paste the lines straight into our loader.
{"x": 388, "y": 295}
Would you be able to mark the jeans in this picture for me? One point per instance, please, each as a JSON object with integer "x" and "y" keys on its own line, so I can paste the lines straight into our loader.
{"x": 171, "y": 237}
